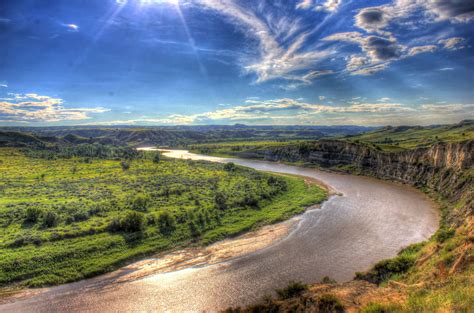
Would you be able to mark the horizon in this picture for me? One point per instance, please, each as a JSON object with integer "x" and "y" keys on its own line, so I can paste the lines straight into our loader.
{"x": 153, "y": 63}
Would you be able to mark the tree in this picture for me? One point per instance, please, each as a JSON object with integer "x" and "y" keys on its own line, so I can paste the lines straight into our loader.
{"x": 166, "y": 223}
{"x": 156, "y": 157}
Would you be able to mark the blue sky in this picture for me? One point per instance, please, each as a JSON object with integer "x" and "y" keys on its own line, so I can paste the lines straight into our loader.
{"x": 167, "y": 62}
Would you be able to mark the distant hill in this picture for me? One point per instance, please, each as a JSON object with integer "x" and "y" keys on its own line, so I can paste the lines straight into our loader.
{"x": 168, "y": 136}
{"x": 408, "y": 137}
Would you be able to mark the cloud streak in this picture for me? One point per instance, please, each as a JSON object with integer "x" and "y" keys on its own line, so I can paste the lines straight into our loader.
{"x": 281, "y": 42}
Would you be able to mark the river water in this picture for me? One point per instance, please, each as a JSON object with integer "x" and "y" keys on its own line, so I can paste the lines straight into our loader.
{"x": 369, "y": 221}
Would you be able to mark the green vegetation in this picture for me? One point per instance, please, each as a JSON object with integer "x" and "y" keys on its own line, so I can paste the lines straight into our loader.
{"x": 231, "y": 149}
{"x": 72, "y": 217}
{"x": 390, "y": 268}
{"x": 293, "y": 289}
{"x": 410, "y": 137}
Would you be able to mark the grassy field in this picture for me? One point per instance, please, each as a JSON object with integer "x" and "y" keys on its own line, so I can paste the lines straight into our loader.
{"x": 403, "y": 138}
{"x": 70, "y": 218}
{"x": 228, "y": 149}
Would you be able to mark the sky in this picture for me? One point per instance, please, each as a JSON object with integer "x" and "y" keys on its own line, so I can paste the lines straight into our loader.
{"x": 256, "y": 62}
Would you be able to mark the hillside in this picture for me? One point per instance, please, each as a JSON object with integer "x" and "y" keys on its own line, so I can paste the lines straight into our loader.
{"x": 172, "y": 135}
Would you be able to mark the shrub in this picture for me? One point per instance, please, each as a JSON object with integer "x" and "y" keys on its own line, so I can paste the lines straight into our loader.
{"x": 156, "y": 157}
{"x": 328, "y": 280}
{"x": 220, "y": 199}
{"x": 330, "y": 304}
{"x": 229, "y": 167}
{"x": 125, "y": 165}
{"x": 32, "y": 214}
{"x": 133, "y": 222}
{"x": 195, "y": 232}
{"x": 166, "y": 223}
{"x": 444, "y": 234}
{"x": 293, "y": 289}
{"x": 50, "y": 219}
{"x": 384, "y": 269}
{"x": 140, "y": 203}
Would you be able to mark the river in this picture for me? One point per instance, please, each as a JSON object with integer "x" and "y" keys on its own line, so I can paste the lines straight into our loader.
{"x": 369, "y": 221}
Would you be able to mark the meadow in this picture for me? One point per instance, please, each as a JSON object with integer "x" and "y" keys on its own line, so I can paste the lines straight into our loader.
{"x": 67, "y": 218}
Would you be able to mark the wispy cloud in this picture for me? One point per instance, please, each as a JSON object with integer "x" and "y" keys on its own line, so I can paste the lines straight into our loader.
{"x": 37, "y": 108}
{"x": 72, "y": 27}
{"x": 281, "y": 43}
{"x": 453, "y": 43}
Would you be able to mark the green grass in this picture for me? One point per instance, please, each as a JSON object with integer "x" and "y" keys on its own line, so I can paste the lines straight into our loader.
{"x": 394, "y": 139}
{"x": 86, "y": 198}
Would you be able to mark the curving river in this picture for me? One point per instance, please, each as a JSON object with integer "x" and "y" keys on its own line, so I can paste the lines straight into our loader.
{"x": 371, "y": 220}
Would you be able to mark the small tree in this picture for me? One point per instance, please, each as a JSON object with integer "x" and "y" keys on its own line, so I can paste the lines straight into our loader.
{"x": 156, "y": 157}
{"x": 166, "y": 223}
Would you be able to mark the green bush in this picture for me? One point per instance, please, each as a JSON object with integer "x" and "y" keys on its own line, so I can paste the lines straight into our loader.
{"x": 33, "y": 214}
{"x": 383, "y": 270}
{"x": 133, "y": 222}
{"x": 50, "y": 219}
{"x": 328, "y": 303}
{"x": 125, "y": 165}
{"x": 140, "y": 203}
{"x": 229, "y": 167}
{"x": 293, "y": 289}
{"x": 156, "y": 157}
{"x": 166, "y": 223}
{"x": 444, "y": 233}
{"x": 220, "y": 200}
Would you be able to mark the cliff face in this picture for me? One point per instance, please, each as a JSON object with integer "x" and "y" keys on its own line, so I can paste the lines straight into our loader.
{"x": 445, "y": 168}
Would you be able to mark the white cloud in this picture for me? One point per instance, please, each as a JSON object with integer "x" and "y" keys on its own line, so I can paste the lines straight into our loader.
{"x": 4, "y": 85}
{"x": 325, "y": 5}
{"x": 421, "y": 49}
{"x": 280, "y": 43}
{"x": 72, "y": 27}
{"x": 321, "y": 98}
{"x": 304, "y": 4}
{"x": 453, "y": 43}
{"x": 36, "y": 108}
{"x": 329, "y": 5}
{"x": 450, "y": 107}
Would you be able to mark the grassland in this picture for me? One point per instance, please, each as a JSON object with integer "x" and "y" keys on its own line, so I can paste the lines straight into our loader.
{"x": 404, "y": 137}
{"x": 69, "y": 218}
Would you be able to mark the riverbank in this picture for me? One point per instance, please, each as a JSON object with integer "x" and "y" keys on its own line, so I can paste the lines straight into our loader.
{"x": 70, "y": 219}
{"x": 435, "y": 275}
{"x": 347, "y": 234}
